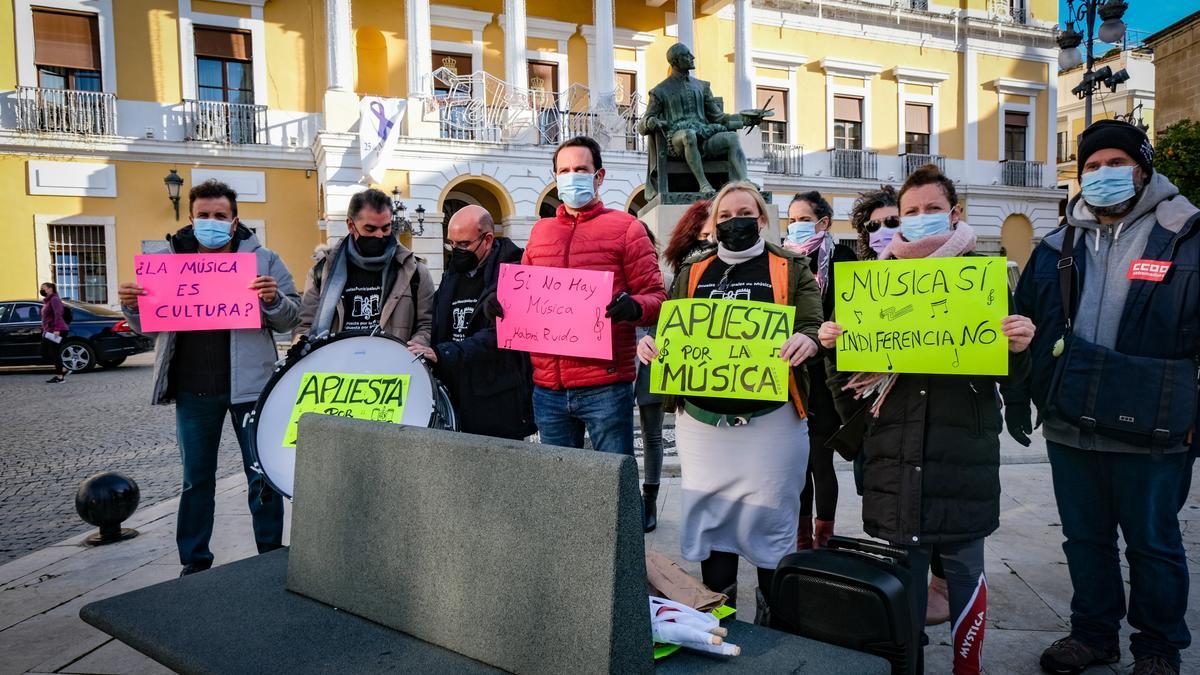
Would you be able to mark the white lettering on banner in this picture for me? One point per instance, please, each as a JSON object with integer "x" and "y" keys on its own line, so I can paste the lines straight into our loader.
{"x": 1148, "y": 270}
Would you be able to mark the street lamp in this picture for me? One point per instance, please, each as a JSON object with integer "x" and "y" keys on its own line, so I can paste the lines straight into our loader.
{"x": 173, "y": 182}
{"x": 400, "y": 222}
{"x": 1111, "y": 30}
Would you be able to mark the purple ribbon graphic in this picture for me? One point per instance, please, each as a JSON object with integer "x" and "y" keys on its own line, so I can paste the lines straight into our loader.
{"x": 384, "y": 123}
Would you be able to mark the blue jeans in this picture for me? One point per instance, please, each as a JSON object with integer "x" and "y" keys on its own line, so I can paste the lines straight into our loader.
{"x": 198, "y": 421}
{"x": 606, "y": 412}
{"x": 1097, "y": 492}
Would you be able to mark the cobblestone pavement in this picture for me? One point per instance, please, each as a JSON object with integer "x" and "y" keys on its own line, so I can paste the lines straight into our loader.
{"x": 54, "y": 436}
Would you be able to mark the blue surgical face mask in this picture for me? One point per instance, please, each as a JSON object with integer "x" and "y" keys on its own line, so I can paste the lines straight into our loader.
{"x": 576, "y": 189}
{"x": 801, "y": 231}
{"x": 1107, "y": 185}
{"x": 212, "y": 233}
{"x": 924, "y": 225}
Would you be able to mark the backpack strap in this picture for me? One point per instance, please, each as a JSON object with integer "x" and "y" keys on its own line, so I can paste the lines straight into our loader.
{"x": 781, "y": 287}
{"x": 697, "y": 271}
{"x": 1066, "y": 273}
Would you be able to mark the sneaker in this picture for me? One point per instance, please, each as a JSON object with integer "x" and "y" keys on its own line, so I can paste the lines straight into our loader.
{"x": 1069, "y": 656}
{"x": 193, "y": 568}
{"x": 1154, "y": 665}
{"x": 55, "y": 380}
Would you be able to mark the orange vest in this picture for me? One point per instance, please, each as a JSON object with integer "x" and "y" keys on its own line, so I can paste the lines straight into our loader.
{"x": 779, "y": 285}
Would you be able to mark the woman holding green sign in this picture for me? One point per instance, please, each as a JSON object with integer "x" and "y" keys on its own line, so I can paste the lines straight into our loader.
{"x": 744, "y": 461}
{"x": 932, "y": 442}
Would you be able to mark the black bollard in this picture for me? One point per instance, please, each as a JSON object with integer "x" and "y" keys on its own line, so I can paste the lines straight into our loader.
{"x": 105, "y": 500}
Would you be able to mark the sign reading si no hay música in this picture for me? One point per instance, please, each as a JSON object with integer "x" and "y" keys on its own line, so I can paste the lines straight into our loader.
{"x": 722, "y": 348}
{"x": 929, "y": 315}
{"x": 552, "y": 310}
{"x": 197, "y": 291}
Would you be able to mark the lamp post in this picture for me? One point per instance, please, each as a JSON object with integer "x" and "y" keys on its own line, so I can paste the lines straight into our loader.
{"x": 400, "y": 222}
{"x": 174, "y": 182}
{"x": 1111, "y": 30}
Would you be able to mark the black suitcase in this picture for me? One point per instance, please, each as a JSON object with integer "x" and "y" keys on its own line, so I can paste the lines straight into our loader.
{"x": 852, "y": 593}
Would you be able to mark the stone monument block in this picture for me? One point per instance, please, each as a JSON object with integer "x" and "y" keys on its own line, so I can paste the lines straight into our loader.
{"x": 526, "y": 557}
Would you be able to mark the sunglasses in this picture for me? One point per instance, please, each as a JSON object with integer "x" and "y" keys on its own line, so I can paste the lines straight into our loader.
{"x": 890, "y": 222}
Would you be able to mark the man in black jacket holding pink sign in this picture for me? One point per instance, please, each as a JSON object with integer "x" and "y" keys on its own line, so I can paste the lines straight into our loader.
{"x": 211, "y": 373}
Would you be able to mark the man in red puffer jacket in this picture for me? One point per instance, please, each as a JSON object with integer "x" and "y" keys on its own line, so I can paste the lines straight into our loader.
{"x": 573, "y": 394}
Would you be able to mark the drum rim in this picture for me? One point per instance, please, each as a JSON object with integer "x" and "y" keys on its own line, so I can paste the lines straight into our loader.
{"x": 251, "y": 422}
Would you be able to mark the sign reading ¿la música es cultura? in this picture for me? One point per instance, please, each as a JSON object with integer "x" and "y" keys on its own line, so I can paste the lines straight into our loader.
{"x": 379, "y": 398}
{"x": 929, "y": 315}
{"x": 552, "y": 310}
{"x": 722, "y": 349}
{"x": 197, "y": 291}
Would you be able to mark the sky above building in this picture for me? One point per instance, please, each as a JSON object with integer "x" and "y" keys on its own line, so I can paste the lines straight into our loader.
{"x": 1145, "y": 16}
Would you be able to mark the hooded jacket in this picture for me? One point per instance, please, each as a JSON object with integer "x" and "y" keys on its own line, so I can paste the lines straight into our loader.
{"x": 402, "y": 316}
{"x": 252, "y": 353}
{"x": 491, "y": 388}
{"x": 1138, "y": 318}
{"x": 604, "y": 240}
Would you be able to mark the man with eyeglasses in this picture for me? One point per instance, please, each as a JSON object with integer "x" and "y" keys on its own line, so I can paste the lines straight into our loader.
{"x": 491, "y": 389}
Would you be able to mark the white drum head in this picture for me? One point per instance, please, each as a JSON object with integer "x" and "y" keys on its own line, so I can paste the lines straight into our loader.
{"x": 369, "y": 355}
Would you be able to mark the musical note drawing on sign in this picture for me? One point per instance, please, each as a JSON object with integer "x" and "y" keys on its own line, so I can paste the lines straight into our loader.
{"x": 893, "y": 313}
{"x": 956, "y": 361}
{"x": 935, "y": 304}
{"x": 991, "y": 297}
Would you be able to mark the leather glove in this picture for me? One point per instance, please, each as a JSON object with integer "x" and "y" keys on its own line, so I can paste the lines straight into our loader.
{"x": 492, "y": 309}
{"x": 623, "y": 308}
{"x": 298, "y": 350}
{"x": 1018, "y": 419}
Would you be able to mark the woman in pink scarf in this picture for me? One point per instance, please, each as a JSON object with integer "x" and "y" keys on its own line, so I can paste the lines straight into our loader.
{"x": 931, "y": 443}
{"x": 809, "y": 219}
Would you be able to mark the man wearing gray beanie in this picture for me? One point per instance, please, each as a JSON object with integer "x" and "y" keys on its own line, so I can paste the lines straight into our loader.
{"x": 1115, "y": 295}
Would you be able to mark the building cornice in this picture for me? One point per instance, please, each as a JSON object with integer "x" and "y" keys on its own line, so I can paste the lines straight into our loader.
{"x": 846, "y": 68}
{"x": 459, "y": 17}
{"x": 150, "y": 150}
{"x": 1013, "y": 87}
{"x": 623, "y": 38}
{"x": 908, "y": 75}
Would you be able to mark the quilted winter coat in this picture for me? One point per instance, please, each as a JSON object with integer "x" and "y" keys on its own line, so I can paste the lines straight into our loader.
{"x": 605, "y": 240}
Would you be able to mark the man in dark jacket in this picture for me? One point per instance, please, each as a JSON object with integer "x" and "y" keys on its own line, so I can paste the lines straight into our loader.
{"x": 1133, "y": 287}
{"x": 492, "y": 389}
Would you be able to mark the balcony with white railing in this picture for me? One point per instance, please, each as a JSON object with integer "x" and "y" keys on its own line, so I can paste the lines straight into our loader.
{"x": 229, "y": 123}
{"x": 66, "y": 111}
{"x": 854, "y": 164}
{"x": 784, "y": 159}
{"x": 915, "y": 160}
{"x": 1010, "y": 11}
{"x": 1021, "y": 174}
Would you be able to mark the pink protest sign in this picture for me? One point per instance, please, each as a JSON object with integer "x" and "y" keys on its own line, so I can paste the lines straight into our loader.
{"x": 197, "y": 291}
{"x": 551, "y": 310}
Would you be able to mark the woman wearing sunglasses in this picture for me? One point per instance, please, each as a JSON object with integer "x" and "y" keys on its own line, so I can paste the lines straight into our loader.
{"x": 809, "y": 220}
{"x": 932, "y": 442}
{"x": 743, "y": 462}
{"x": 876, "y": 218}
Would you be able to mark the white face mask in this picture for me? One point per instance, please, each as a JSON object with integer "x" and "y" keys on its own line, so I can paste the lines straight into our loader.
{"x": 575, "y": 189}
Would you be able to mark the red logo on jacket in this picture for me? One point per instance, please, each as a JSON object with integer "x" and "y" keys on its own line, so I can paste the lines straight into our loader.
{"x": 1148, "y": 270}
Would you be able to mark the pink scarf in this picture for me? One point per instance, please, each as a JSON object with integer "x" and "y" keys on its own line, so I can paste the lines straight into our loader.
{"x": 821, "y": 242}
{"x": 956, "y": 242}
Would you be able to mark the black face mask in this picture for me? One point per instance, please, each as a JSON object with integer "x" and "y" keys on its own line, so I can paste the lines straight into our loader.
{"x": 371, "y": 247}
{"x": 43, "y": 293}
{"x": 463, "y": 260}
{"x": 738, "y": 234}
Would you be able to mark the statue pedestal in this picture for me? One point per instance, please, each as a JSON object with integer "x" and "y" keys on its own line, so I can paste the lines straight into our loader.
{"x": 662, "y": 214}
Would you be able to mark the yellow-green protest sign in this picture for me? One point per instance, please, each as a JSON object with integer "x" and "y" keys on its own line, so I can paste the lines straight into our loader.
{"x": 929, "y": 315}
{"x": 379, "y": 398}
{"x": 722, "y": 348}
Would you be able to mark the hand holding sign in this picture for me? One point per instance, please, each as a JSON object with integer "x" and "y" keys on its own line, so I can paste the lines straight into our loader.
{"x": 198, "y": 291}
{"x": 266, "y": 287}
{"x": 1019, "y": 330}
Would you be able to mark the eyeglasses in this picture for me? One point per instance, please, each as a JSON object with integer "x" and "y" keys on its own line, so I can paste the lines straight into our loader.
{"x": 890, "y": 222}
{"x": 463, "y": 245}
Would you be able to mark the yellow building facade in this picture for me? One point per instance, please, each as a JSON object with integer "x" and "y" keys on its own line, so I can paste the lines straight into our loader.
{"x": 101, "y": 99}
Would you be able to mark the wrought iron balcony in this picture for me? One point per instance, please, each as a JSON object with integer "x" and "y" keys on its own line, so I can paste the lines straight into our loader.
{"x": 230, "y": 123}
{"x": 784, "y": 159}
{"x": 854, "y": 164}
{"x": 1007, "y": 10}
{"x": 1021, "y": 174}
{"x": 914, "y": 160}
{"x": 66, "y": 111}
{"x": 916, "y": 5}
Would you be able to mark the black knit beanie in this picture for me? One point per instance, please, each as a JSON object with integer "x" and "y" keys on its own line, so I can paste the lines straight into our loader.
{"x": 1120, "y": 135}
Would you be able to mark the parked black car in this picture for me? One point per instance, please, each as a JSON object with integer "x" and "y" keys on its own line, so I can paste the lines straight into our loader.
{"x": 99, "y": 336}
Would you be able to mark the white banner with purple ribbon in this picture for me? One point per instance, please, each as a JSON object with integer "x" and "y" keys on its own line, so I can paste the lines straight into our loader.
{"x": 378, "y": 130}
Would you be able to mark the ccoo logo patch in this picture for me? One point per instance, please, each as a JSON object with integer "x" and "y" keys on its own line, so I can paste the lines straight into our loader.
{"x": 1148, "y": 270}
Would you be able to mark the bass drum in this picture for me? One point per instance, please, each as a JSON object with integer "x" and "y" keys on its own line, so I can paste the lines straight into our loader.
{"x": 427, "y": 403}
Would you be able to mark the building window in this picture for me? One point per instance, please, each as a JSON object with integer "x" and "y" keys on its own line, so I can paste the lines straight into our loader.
{"x": 79, "y": 262}
{"x": 543, "y": 77}
{"x": 1064, "y": 147}
{"x": 1015, "y": 133}
{"x": 458, "y": 64}
{"x": 917, "y": 128}
{"x": 847, "y": 123}
{"x": 775, "y": 127}
{"x": 66, "y": 50}
{"x": 224, "y": 65}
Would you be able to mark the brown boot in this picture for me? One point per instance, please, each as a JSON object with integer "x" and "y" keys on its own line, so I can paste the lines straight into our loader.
{"x": 937, "y": 603}
{"x": 823, "y": 533}
{"x": 804, "y": 536}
